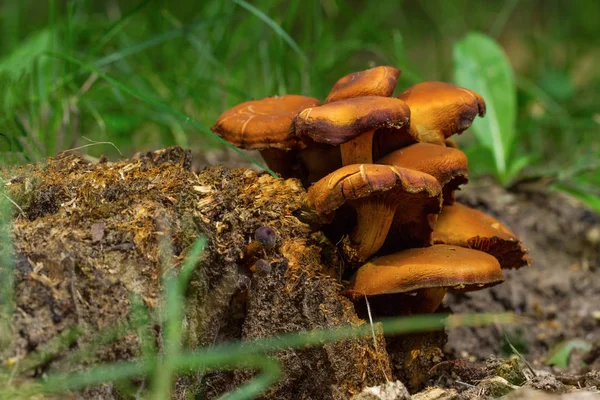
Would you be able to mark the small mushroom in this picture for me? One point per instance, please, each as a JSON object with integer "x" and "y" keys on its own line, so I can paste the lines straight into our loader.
{"x": 351, "y": 124}
{"x": 266, "y": 125}
{"x": 377, "y": 192}
{"x": 427, "y": 272}
{"x": 265, "y": 236}
{"x": 261, "y": 267}
{"x": 378, "y": 81}
{"x": 448, "y": 165}
{"x": 464, "y": 226}
{"x": 439, "y": 110}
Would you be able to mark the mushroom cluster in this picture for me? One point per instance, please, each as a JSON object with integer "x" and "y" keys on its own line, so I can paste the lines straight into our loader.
{"x": 382, "y": 172}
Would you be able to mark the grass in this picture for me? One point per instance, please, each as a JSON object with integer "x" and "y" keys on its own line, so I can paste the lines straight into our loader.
{"x": 147, "y": 74}
{"x": 72, "y": 69}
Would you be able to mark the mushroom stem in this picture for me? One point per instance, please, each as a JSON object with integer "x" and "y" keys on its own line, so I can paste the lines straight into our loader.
{"x": 428, "y": 300}
{"x": 280, "y": 161}
{"x": 317, "y": 160}
{"x": 358, "y": 150}
{"x": 374, "y": 219}
{"x": 427, "y": 135}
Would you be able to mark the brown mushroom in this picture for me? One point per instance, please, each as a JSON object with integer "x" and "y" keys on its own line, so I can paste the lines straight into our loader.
{"x": 415, "y": 281}
{"x": 427, "y": 272}
{"x": 378, "y": 81}
{"x": 464, "y": 226}
{"x": 448, "y": 165}
{"x": 317, "y": 160}
{"x": 266, "y": 125}
{"x": 377, "y": 192}
{"x": 351, "y": 123}
{"x": 439, "y": 110}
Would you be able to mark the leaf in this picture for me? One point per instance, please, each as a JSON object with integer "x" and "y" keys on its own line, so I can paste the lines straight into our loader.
{"x": 481, "y": 159}
{"x": 518, "y": 164}
{"x": 480, "y": 64}
{"x": 560, "y": 355}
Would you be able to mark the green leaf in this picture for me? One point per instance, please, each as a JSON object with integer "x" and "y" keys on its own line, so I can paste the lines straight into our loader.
{"x": 480, "y": 64}
{"x": 481, "y": 159}
{"x": 517, "y": 165}
{"x": 560, "y": 355}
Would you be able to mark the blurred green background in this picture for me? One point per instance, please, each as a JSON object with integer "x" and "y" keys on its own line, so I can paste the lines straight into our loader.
{"x": 149, "y": 74}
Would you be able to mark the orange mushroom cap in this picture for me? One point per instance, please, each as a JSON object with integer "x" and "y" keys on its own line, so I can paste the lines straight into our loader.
{"x": 439, "y": 110}
{"x": 378, "y": 81}
{"x": 448, "y": 165}
{"x": 439, "y": 266}
{"x": 339, "y": 122}
{"x": 376, "y": 192}
{"x": 464, "y": 226}
{"x": 351, "y": 124}
{"x": 264, "y": 123}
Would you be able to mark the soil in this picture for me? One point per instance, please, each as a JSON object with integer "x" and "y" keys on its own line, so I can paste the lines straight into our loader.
{"x": 95, "y": 239}
{"x": 559, "y": 293}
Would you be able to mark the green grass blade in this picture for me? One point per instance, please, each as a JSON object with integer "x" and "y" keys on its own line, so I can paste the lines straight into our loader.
{"x": 48, "y": 351}
{"x": 99, "y": 340}
{"x": 174, "y": 294}
{"x": 390, "y": 326}
{"x": 270, "y": 373}
{"x": 7, "y": 266}
{"x": 191, "y": 261}
{"x": 503, "y": 17}
{"x": 248, "y": 354}
{"x": 117, "y": 27}
{"x": 23, "y": 59}
{"x": 121, "y": 86}
{"x": 142, "y": 323}
{"x": 164, "y": 371}
{"x": 273, "y": 25}
{"x": 139, "y": 47}
{"x": 105, "y": 373}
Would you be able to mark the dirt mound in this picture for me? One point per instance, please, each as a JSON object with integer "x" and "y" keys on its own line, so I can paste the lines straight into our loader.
{"x": 95, "y": 237}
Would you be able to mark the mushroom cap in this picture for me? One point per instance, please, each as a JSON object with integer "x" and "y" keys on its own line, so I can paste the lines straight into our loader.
{"x": 448, "y": 165}
{"x": 264, "y": 123}
{"x": 464, "y": 226}
{"x": 341, "y": 121}
{"x": 378, "y": 81}
{"x": 439, "y": 110}
{"x": 356, "y": 181}
{"x": 438, "y": 266}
